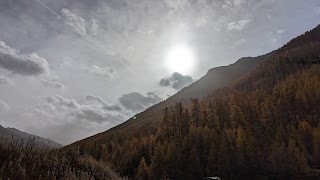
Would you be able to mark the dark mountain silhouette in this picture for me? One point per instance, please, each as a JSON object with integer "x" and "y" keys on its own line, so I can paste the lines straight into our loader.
{"x": 256, "y": 118}
{"x": 12, "y": 133}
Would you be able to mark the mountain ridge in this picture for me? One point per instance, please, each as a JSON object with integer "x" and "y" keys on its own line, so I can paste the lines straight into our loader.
{"x": 260, "y": 121}
{"x": 252, "y": 62}
{"x": 13, "y": 133}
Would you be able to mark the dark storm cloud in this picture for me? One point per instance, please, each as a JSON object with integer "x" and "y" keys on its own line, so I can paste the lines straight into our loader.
{"x": 176, "y": 81}
{"x": 23, "y": 64}
{"x": 136, "y": 102}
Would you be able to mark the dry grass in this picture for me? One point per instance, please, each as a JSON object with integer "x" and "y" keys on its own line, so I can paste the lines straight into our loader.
{"x": 25, "y": 160}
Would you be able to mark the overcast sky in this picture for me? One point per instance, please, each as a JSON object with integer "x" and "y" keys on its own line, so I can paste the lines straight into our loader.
{"x": 71, "y": 69}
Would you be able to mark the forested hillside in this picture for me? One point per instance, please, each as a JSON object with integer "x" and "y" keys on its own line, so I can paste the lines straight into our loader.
{"x": 264, "y": 124}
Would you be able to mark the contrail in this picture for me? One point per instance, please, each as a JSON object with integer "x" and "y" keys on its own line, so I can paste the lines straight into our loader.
{"x": 127, "y": 66}
{"x": 61, "y": 18}
{"x": 49, "y": 9}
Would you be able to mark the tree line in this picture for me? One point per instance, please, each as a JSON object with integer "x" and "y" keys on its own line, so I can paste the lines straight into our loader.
{"x": 264, "y": 125}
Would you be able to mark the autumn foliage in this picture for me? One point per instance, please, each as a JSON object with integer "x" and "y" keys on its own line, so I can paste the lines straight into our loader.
{"x": 263, "y": 125}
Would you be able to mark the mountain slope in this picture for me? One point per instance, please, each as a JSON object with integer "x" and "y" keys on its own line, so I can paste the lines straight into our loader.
{"x": 218, "y": 77}
{"x": 262, "y": 122}
{"x": 5, "y": 133}
{"x": 16, "y": 134}
{"x": 215, "y": 78}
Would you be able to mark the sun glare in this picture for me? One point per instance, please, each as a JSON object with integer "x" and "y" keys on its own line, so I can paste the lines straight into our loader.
{"x": 180, "y": 58}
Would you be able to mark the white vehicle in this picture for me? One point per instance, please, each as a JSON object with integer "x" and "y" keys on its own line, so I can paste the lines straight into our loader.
{"x": 212, "y": 178}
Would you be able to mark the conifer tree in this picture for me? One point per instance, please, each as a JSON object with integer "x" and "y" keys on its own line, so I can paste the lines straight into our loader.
{"x": 195, "y": 112}
{"x": 142, "y": 170}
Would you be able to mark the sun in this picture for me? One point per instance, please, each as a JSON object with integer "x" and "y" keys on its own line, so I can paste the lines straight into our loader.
{"x": 180, "y": 58}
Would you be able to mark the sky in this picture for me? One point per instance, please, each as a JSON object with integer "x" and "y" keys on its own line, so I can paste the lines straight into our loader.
{"x": 71, "y": 69}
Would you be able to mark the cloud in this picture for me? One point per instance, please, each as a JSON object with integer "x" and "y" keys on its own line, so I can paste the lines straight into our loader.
{"x": 137, "y": 102}
{"x": 281, "y": 31}
{"x": 23, "y": 64}
{"x": 176, "y": 81}
{"x": 67, "y": 120}
{"x": 31, "y": 26}
{"x": 71, "y": 109}
{"x": 99, "y": 100}
{"x": 108, "y": 72}
{"x": 238, "y": 26}
{"x": 77, "y": 22}
{"x": 62, "y": 103}
{"x": 96, "y": 115}
{"x": 176, "y": 4}
{"x": 201, "y": 22}
{"x": 238, "y": 3}
{"x": 53, "y": 84}
{"x": 317, "y": 11}
{"x": 5, "y": 81}
{"x": 93, "y": 28}
{"x": 4, "y": 106}
{"x": 239, "y": 43}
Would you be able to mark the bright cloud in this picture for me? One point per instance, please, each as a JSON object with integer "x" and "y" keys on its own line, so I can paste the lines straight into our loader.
{"x": 239, "y": 25}
{"x": 77, "y": 22}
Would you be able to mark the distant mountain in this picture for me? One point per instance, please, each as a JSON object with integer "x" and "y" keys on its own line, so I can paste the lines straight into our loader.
{"x": 24, "y": 159}
{"x": 255, "y": 119}
{"x": 16, "y": 134}
{"x": 6, "y": 133}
